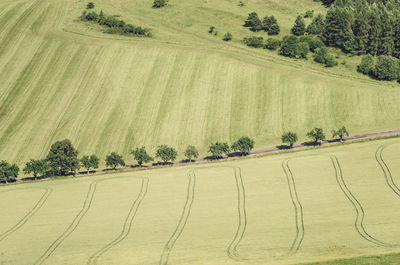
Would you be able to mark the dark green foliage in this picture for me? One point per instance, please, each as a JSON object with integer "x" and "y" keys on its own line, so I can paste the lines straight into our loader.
{"x": 309, "y": 13}
{"x": 243, "y": 145}
{"x": 141, "y": 155}
{"x": 241, "y": 4}
{"x": 340, "y": 133}
{"x": 327, "y": 2}
{"x": 92, "y": 16}
{"x": 317, "y": 26}
{"x": 114, "y": 159}
{"x": 323, "y": 56}
{"x": 89, "y": 162}
{"x": 367, "y": 65}
{"x": 255, "y": 42}
{"x": 387, "y": 68}
{"x": 289, "y": 46}
{"x": 272, "y": 44}
{"x": 160, "y": 3}
{"x": 227, "y": 36}
{"x": 253, "y": 22}
{"x": 191, "y": 152}
{"x": 270, "y": 25}
{"x": 62, "y": 158}
{"x": 166, "y": 153}
{"x": 338, "y": 28}
{"x": 315, "y": 43}
{"x": 289, "y": 138}
{"x": 90, "y": 5}
{"x": 316, "y": 134}
{"x": 8, "y": 172}
{"x": 302, "y": 49}
{"x": 211, "y": 30}
{"x": 218, "y": 149}
{"x": 36, "y": 167}
{"x": 299, "y": 27}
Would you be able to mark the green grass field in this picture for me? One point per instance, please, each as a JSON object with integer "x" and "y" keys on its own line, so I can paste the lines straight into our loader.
{"x": 62, "y": 78}
{"x": 301, "y": 207}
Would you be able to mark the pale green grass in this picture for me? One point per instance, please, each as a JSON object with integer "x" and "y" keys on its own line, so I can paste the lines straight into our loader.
{"x": 201, "y": 215}
{"x": 61, "y": 78}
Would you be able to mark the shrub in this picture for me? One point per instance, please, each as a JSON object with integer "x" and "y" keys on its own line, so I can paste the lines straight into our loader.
{"x": 255, "y": 42}
{"x": 227, "y": 36}
{"x": 92, "y": 16}
{"x": 367, "y": 65}
{"x": 90, "y": 5}
{"x": 211, "y": 29}
{"x": 160, "y": 3}
{"x": 322, "y": 56}
{"x": 272, "y": 44}
{"x": 309, "y": 13}
{"x": 387, "y": 68}
{"x": 315, "y": 43}
{"x": 289, "y": 46}
{"x": 302, "y": 49}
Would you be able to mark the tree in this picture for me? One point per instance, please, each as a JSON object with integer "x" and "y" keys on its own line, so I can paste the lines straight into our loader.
{"x": 141, "y": 155}
{"x": 255, "y": 42}
{"x": 253, "y": 22}
{"x": 92, "y": 16}
{"x": 90, "y": 5}
{"x": 367, "y": 65}
{"x": 338, "y": 30}
{"x": 243, "y": 145}
{"x": 302, "y": 49}
{"x": 36, "y": 167}
{"x": 316, "y": 26}
{"x": 270, "y": 25}
{"x": 289, "y": 138}
{"x": 272, "y": 44}
{"x": 166, "y": 153}
{"x": 341, "y": 132}
{"x": 8, "y": 172}
{"x": 114, "y": 159}
{"x": 218, "y": 149}
{"x": 90, "y": 162}
{"x": 299, "y": 27}
{"x": 309, "y": 13}
{"x": 160, "y": 3}
{"x": 322, "y": 56}
{"x": 289, "y": 46}
{"x": 191, "y": 152}
{"x": 316, "y": 134}
{"x": 387, "y": 68}
{"x": 315, "y": 43}
{"x": 227, "y": 36}
{"x": 62, "y": 158}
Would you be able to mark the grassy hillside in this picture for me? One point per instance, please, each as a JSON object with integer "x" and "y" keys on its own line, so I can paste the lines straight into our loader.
{"x": 310, "y": 206}
{"x": 62, "y": 78}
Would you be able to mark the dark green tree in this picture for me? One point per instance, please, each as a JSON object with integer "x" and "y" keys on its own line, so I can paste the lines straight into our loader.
{"x": 114, "y": 159}
{"x": 90, "y": 5}
{"x": 218, "y": 149}
{"x": 92, "y": 16}
{"x": 272, "y": 44}
{"x": 338, "y": 32}
{"x": 299, "y": 27}
{"x": 8, "y": 172}
{"x": 89, "y": 162}
{"x": 270, "y": 25}
{"x": 316, "y": 134}
{"x": 387, "y": 68}
{"x": 367, "y": 65}
{"x": 141, "y": 156}
{"x": 62, "y": 158}
{"x": 160, "y": 3}
{"x": 191, "y": 152}
{"x": 289, "y": 46}
{"x": 316, "y": 26}
{"x": 340, "y": 133}
{"x": 166, "y": 153}
{"x": 322, "y": 56}
{"x": 253, "y": 22}
{"x": 36, "y": 167}
{"x": 309, "y": 13}
{"x": 255, "y": 42}
{"x": 243, "y": 145}
{"x": 227, "y": 36}
{"x": 289, "y": 138}
{"x": 302, "y": 49}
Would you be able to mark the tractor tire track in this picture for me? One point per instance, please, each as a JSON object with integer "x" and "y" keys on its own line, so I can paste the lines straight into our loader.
{"x": 29, "y": 214}
{"x": 183, "y": 219}
{"x": 297, "y": 208}
{"x": 360, "y": 213}
{"x": 232, "y": 249}
{"x": 127, "y": 225}
{"x": 385, "y": 169}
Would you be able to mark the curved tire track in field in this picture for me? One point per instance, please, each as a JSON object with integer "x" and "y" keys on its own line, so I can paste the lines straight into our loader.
{"x": 127, "y": 225}
{"x": 28, "y": 215}
{"x": 232, "y": 249}
{"x": 360, "y": 214}
{"x": 182, "y": 221}
{"x": 297, "y": 208}
{"x": 385, "y": 169}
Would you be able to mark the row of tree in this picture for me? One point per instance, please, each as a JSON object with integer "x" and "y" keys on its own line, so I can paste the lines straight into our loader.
{"x": 382, "y": 67}
{"x": 268, "y": 24}
{"x": 63, "y": 160}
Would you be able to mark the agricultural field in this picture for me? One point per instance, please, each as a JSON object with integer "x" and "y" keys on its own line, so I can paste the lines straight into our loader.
{"x": 296, "y": 207}
{"x": 62, "y": 78}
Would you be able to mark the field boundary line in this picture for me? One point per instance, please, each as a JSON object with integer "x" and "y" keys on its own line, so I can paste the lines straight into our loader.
{"x": 298, "y": 208}
{"x": 360, "y": 213}
{"x": 29, "y": 214}
{"x": 127, "y": 225}
{"x": 385, "y": 169}
{"x": 183, "y": 219}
